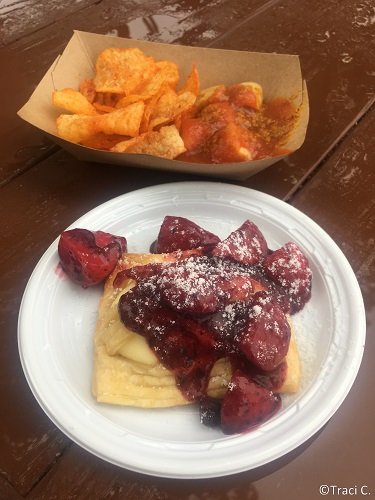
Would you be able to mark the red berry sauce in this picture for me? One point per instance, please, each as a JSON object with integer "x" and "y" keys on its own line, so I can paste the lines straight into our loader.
{"x": 224, "y": 302}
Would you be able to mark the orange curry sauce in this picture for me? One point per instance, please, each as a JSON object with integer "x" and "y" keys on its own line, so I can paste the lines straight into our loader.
{"x": 228, "y": 128}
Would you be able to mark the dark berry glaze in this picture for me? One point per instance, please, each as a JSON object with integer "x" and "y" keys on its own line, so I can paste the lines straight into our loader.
{"x": 206, "y": 307}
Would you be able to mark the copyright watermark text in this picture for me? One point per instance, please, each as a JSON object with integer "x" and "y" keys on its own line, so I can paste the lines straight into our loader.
{"x": 333, "y": 489}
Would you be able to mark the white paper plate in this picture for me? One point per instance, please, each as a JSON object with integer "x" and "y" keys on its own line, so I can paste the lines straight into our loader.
{"x": 57, "y": 321}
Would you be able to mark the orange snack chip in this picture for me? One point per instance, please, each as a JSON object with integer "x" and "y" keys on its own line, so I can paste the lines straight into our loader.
{"x": 72, "y": 100}
{"x": 192, "y": 83}
{"x": 76, "y": 128}
{"x": 169, "y": 106}
{"x": 130, "y": 105}
{"x": 124, "y": 121}
{"x": 121, "y": 71}
{"x": 166, "y": 143}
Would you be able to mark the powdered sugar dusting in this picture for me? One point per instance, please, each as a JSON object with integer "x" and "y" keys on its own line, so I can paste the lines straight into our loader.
{"x": 247, "y": 244}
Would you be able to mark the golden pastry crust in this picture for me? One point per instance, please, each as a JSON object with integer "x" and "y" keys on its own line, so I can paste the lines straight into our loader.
{"x": 126, "y": 371}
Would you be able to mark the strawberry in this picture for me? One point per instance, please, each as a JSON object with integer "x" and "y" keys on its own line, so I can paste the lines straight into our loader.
{"x": 141, "y": 310}
{"x": 179, "y": 233}
{"x": 226, "y": 326}
{"x": 246, "y": 404}
{"x": 188, "y": 288}
{"x": 88, "y": 257}
{"x": 246, "y": 245}
{"x": 266, "y": 336}
{"x": 289, "y": 269}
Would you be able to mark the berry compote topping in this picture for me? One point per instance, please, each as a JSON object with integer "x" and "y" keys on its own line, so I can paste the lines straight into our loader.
{"x": 289, "y": 270}
{"x": 179, "y": 233}
{"x": 89, "y": 257}
{"x": 230, "y": 300}
{"x": 246, "y": 244}
{"x": 247, "y": 404}
{"x": 266, "y": 334}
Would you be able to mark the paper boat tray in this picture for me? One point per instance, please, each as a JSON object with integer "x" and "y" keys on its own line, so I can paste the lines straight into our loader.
{"x": 278, "y": 74}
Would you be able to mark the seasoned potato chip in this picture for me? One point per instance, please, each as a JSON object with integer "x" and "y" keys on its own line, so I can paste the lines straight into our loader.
{"x": 77, "y": 128}
{"x": 124, "y": 121}
{"x": 192, "y": 83}
{"x": 131, "y": 104}
{"x": 106, "y": 99}
{"x": 169, "y": 106}
{"x": 170, "y": 72}
{"x": 121, "y": 71}
{"x": 152, "y": 86}
{"x": 73, "y": 101}
{"x": 102, "y": 108}
{"x": 100, "y": 100}
{"x": 87, "y": 88}
{"x": 166, "y": 74}
{"x": 149, "y": 110}
{"x": 163, "y": 106}
{"x": 165, "y": 142}
{"x": 128, "y": 99}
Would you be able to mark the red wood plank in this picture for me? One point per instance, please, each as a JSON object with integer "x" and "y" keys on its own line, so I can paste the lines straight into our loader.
{"x": 20, "y": 18}
{"x": 7, "y": 492}
{"x": 91, "y": 478}
{"x": 29, "y": 442}
{"x": 340, "y": 197}
{"x": 21, "y": 144}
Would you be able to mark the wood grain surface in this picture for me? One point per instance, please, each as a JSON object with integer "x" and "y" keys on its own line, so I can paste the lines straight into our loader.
{"x": 43, "y": 189}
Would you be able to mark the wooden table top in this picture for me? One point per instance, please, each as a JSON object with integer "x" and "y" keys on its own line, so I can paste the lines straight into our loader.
{"x": 331, "y": 179}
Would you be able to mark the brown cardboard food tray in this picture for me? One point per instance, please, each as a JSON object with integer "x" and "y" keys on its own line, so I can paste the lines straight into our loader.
{"x": 279, "y": 75}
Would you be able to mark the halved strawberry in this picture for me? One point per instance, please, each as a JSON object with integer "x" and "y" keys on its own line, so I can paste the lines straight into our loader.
{"x": 266, "y": 336}
{"x": 246, "y": 245}
{"x": 188, "y": 288}
{"x": 226, "y": 326}
{"x": 179, "y": 233}
{"x": 140, "y": 310}
{"x": 246, "y": 404}
{"x": 88, "y": 257}
{"x": 289, "y": 269}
